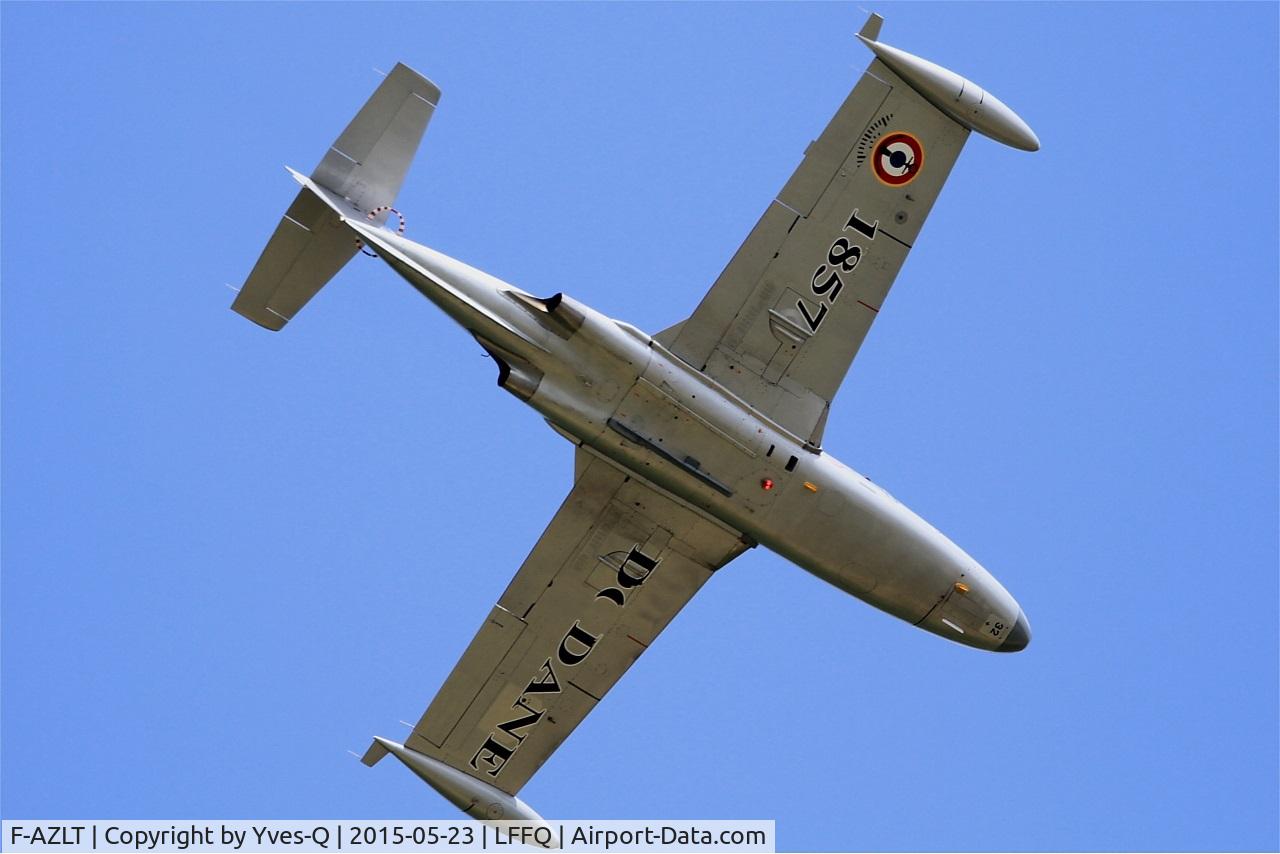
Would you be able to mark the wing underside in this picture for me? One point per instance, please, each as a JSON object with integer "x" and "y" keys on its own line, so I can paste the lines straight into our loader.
{"x": 615, "y": 565}
{"x": 783, "y": 322}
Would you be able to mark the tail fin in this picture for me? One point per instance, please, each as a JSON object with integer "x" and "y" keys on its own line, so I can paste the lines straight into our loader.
{"x": 365, "y": 166}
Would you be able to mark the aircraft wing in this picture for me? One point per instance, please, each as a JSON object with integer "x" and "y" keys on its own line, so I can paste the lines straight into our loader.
{"x": 783, "y": 322}
{"x": 615, "y": 565}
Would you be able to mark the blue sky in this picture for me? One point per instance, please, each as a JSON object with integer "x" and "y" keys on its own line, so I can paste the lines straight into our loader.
{"x": 230, "y": 556}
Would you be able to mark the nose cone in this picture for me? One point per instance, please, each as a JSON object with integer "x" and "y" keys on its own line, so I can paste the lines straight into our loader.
{"x": 1019, "y": 636}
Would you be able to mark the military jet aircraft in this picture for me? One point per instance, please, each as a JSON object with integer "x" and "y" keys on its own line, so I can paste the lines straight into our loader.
{"x": 691, "y": 445}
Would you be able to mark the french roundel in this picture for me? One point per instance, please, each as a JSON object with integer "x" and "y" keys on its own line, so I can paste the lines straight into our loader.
{"x": 898, "y": 159}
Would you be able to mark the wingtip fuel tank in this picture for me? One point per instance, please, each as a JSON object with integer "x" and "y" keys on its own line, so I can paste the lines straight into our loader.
{"x": 475, "y": 797}
{"x": 963, "y": 100}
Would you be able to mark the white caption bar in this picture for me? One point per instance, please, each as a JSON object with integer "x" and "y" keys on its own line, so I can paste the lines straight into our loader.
{"x": 385, "y": 836}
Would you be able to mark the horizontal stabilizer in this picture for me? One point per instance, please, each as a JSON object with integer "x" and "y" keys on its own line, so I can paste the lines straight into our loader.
{"x": 368, "y": 162}
{"x": 309, "y": 246}
{"x": 360, "y": 174}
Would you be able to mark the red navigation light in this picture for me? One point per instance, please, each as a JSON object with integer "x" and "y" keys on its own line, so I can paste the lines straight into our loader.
{"x": 766, "y": 484}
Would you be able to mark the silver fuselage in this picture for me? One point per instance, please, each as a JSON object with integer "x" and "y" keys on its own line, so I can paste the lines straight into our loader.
{"x": 621, "y": 395}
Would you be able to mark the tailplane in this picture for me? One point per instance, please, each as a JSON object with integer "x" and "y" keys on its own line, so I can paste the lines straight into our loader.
{"x": 364, "y": 167}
